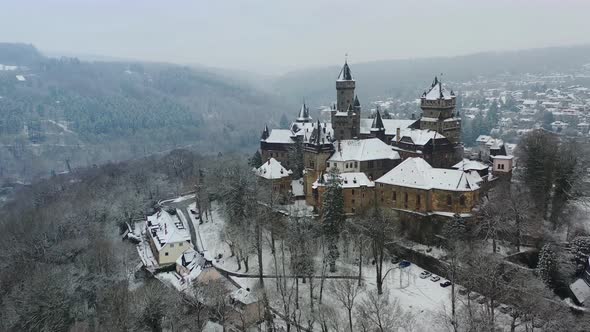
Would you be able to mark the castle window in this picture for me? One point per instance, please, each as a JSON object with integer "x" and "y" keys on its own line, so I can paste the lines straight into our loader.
{"x": 353, "y": 201}
{"x": 406, "y": 200}
{"x": 394, "y": 196}
{"x": 449, "y": 200}
{"x": 353, "y": 192}
{"x": 371, "y": 164}
{"x": 462, "y": 200}
{"x": 418, "y": 198}
{"x": 328, "y": 165}
{"x": 355, "y": 164}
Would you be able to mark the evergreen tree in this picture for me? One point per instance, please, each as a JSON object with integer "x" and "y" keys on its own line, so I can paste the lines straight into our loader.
{"x": 256, "y": 159}
{"x": 332, "y": 215}
{"x": 547, "y": 265}
{"x": 295, "y": 155}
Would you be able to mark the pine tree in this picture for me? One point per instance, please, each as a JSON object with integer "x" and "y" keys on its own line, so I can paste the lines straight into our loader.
{"x": 295, "y": 155}
{"x": 256, "y": 160}
{"x": 332, "y": 215}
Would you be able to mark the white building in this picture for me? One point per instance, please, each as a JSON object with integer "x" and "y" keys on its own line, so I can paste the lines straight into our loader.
{"x": 168, "y": 236}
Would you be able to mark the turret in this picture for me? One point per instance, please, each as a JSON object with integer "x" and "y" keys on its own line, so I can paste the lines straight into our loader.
{"x": 345, "y": 86}
{"x": 265, "y": 133}
{"x": 377, "y": 127}
{"x": 438, "y": 112}
{"x": 304, "y": 114}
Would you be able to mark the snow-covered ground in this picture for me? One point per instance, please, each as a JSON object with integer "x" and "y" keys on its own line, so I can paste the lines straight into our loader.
{"x": 426, "y": 301}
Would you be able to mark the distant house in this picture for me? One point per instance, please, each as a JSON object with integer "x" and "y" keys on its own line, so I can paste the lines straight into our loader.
{"x": 417, "y": 187}
{"x": 488, "y": 146}
{"x": 168, "y": 236}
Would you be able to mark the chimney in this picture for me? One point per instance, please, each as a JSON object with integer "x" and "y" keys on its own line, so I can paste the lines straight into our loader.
{"x": 398, "y": 133}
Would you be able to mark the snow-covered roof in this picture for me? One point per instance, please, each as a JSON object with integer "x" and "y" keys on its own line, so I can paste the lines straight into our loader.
{"x": 417, "y": 173}
{"x": 304, "y": 114}
{"x": 581, "y": 290}
{"x": 503, "y": 157}
{"x": 348, "y": 180}
{"x": 362, "y": 150}
{"x": 483, "y": 138}
{"x": 272, "y": 169}
{"x": 166, "y": 228}
{"x": 419, "y": 136}
{"x": 438, "y": 91}
{"x": 390, "y": 125}
{"x": 468, "y": 165}
{"x": 279, "y": 136}
{"x": 193, "y": 261}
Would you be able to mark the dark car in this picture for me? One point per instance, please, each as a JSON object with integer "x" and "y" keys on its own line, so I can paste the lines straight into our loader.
{"x": 395, "y": 260}
{"x": 403, "y": 264}
{"x": 445, "y": 284}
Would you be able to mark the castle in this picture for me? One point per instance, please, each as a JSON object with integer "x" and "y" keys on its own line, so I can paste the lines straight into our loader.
{"x": 410, "y": 165}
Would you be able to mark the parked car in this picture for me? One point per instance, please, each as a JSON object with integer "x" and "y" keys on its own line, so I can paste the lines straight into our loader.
{"x": 403, "y": 264}
{"x": 504, "y": 309}
{"x": 482, "y": 300}
{"x": 425, "y": 274}
{"x": 473, "y": 296}
{"x": 445, "y": 284}
{"x": 434, "y": 278}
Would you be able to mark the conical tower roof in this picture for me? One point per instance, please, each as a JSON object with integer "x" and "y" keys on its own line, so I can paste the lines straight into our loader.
{"x": 345, "y": 74}
{"x": 377, "y": 123}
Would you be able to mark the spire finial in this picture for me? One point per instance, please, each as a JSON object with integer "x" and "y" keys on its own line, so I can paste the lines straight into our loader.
{"x": 346, "y": 57}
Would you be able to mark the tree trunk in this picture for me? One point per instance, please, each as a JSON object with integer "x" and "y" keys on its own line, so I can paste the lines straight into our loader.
{"x": 297, "y": 293}
{"x": 350, "y": 319}
{"x": 311, "y": 294}
{"x": 246, "y": 264}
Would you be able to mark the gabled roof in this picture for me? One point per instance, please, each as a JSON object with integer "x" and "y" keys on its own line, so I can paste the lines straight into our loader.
{"x": 166, "y": 228}
{"x": 362, "y": 150}
{"x": 272, "y": 169}
{"x": 419, "y": 136}
{"x": 345, "y": 74}
{"x": 417, "y": 173}
{"x": 437, "y": 91}
{"x": 279, "y": 136}
{"x": 468, "y": 165}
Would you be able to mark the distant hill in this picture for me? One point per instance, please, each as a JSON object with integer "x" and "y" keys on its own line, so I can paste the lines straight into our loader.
{"x": 91, "y": 112}
{"x": 410, "y": 76}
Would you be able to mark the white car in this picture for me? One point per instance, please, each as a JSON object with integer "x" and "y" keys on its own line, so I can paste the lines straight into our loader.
{"x": 425, "y": 274}
{"x": 434, "y": 278}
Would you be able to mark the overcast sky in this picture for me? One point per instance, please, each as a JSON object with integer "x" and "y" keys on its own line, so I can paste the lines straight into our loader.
{"x": 272, "y": 36}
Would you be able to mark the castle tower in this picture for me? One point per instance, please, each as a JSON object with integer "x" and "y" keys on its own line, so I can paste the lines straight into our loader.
{"x": 378, "y": 129}
{"x": 438, "y": 112}
{"x": 317, "y": 149}
{"x": 345, "y": 85}
{"x": 346, "y": 117}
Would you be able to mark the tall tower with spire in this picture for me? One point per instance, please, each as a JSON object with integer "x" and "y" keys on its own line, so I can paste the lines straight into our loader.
{"x": 346, "y": 116}
{"x": 438, "y": 112}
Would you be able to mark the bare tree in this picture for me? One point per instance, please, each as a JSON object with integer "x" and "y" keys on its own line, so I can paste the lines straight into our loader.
{"x": 377, "y": 313}
{"x": 346, "y": 291}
